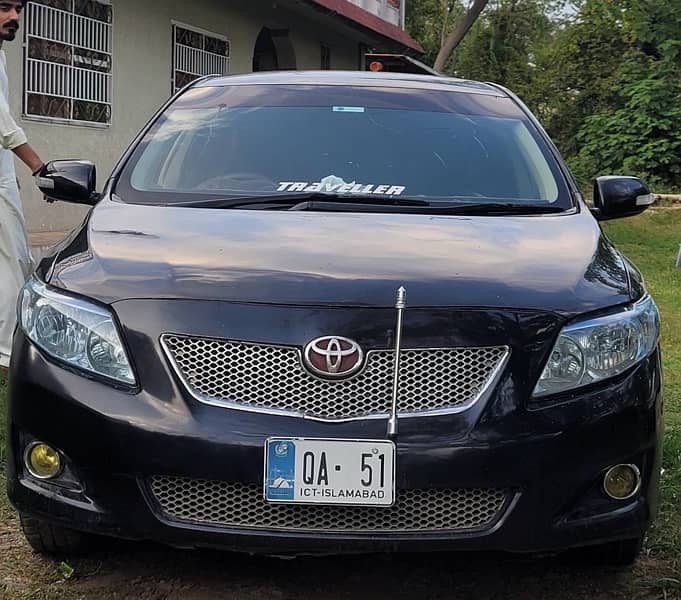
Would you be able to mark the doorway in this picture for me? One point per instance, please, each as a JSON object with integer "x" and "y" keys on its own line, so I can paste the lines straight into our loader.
{"x": 273, "y": 51}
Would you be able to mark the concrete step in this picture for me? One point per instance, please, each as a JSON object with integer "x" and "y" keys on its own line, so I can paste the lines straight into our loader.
{"x": 46, "y": 238}
{"x": 41, "y": 241}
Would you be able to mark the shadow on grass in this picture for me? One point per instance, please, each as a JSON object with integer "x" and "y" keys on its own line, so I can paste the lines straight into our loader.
{"x": 141, "y": 568}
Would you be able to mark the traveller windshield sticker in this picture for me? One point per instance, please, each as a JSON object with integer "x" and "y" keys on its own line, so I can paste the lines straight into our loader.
{"x": 349, "y": 109}
{"x": 336, "y": 187}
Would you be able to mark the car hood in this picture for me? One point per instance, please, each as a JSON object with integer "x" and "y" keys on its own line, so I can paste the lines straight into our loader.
{"x": 559, "y": 263}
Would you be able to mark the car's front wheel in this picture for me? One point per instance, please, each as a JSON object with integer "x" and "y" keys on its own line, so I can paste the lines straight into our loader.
{"x": 47, "y": 538}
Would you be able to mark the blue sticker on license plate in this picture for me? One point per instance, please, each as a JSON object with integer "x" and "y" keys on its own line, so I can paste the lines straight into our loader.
{"x": 281, "y": 466}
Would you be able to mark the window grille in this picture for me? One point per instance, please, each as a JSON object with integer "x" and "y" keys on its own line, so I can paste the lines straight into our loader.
{"x": 68, "y": 60}
{"x": 197, "y": 53}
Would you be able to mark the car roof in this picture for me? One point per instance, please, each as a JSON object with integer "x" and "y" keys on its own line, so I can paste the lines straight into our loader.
{"x": 355, "y": 78}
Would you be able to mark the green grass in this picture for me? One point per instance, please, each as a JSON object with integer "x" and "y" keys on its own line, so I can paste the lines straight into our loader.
{"x": 652, "y": 242}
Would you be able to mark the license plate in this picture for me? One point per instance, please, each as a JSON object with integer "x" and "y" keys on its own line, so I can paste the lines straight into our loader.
{"x": 313, "y": 471}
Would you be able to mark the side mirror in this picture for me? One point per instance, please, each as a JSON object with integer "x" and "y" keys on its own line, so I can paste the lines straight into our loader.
{"x": 619, "y": 196}
{"x": 69, "y": 181}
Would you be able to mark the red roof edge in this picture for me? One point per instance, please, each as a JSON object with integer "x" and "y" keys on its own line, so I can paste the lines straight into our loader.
{"x": 351, "y": 11}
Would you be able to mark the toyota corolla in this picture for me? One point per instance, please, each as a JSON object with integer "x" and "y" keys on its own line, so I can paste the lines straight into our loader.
{"x": 338, "y": 312}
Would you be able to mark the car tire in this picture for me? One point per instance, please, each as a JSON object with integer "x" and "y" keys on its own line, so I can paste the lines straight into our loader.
{"x": 622, "y": 553}
{"x": 47, "y": 538}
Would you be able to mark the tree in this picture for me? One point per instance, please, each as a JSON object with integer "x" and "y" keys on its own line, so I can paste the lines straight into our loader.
{"x": 503, "y": 44}
{"x": 643, "y": 137}
{"x": 603, "y": 77}
{"x": 454, "y": 38}
{"x": 426, "y": 20}
{"x": 577, "y": 72}
{"x": 441, "y": 25}
{"x": 611, "y": 91}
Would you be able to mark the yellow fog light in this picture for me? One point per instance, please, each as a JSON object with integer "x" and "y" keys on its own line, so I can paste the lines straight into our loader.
{"x": 42, "y": 461}
{"x": 622, "y": 482}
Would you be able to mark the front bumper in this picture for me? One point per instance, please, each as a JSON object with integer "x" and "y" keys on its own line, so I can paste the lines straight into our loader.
{"x": 551, "y": 459}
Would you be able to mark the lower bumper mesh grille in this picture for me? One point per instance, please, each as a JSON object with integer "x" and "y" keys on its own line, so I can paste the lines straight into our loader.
{"x": 239, "y": 505}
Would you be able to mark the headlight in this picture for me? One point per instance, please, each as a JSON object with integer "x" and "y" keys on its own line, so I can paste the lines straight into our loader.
{"x": 74, "y": 331}
{"x": 600, "y": 348}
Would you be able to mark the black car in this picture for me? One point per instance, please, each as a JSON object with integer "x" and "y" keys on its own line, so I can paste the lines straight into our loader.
{"x": 338, "y": 312}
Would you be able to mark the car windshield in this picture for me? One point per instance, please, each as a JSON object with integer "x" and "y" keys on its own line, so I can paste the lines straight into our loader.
{"x": 384, "y": 143}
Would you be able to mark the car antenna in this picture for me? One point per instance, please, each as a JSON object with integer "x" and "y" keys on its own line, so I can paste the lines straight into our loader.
{"x": 400, "y": 305}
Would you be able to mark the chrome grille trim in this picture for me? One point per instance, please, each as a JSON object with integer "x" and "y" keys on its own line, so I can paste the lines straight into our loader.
{"x": 285, "y": 387}
{"x": 242, "y": 506}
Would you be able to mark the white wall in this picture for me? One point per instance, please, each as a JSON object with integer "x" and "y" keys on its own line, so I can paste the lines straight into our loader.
{"x": 142, "y": 49}
{"x": 381, "y": 9}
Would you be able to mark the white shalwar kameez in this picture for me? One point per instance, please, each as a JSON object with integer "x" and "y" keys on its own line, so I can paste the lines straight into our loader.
{"x": 16, "y": 263}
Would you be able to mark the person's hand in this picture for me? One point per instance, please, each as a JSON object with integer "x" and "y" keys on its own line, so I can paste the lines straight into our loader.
{"x": 38, "y": 174}
{"x": 43, "y": 182}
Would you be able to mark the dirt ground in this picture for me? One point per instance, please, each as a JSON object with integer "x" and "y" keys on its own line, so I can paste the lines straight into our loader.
{"x": 146, "y": 572}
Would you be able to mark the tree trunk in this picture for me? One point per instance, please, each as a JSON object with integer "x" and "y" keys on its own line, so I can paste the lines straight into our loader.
{"x": 460, "y": 31}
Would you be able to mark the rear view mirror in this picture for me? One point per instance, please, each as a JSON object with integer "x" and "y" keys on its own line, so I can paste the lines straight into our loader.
{"x": 619, "y": 196}
{"x": 69, "y": 181}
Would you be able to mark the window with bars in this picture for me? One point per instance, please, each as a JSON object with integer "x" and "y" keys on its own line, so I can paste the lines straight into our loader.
{"x": 197, "y": 53}
{"x": 68, "y": 60}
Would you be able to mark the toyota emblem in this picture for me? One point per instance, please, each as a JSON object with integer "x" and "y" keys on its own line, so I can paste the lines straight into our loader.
{"x": 333, "y": 356}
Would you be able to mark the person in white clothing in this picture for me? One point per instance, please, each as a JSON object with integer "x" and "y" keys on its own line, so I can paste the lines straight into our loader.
{"x": 16, "y": 262}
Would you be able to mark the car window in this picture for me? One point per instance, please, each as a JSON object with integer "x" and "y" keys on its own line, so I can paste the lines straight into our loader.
{"x": 420, "y": 152}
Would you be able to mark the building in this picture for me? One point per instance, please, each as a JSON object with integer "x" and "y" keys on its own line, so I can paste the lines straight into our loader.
{"x": 90, "y": 73}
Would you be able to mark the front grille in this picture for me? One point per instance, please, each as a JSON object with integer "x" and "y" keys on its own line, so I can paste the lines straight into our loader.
{"x": 273, "y": 377}
{"x": 238, "y": 505}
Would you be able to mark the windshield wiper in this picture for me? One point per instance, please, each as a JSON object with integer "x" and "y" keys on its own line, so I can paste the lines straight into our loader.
{"x": 293, "y": 200}
{"x": 499, "y": 208}
{"x": 437, "y": 208}
{"x": 319, "y": 201}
